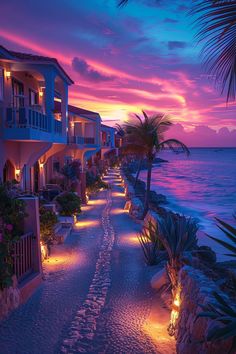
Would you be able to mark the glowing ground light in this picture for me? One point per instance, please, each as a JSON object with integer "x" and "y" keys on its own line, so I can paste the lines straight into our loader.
{"x": 87, "y": 223}
{"x": 117, "y": 211}
{"x": 118, "y": 194}
{"x": 86, "y": 207}
{"x": 97, "y": 202}
{"x": 174, "y": 313}
{"x": 44, "y": 251}
{"x": 130, "y": 239}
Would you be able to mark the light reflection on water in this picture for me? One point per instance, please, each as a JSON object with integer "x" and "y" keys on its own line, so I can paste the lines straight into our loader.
{"x": 202, "y": 185}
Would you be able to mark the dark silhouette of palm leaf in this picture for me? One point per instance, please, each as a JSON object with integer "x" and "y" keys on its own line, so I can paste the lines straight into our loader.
{"x": 224, "y": 313}
{"x": 122, "y": 3}
{"x": 230, "y": 232}
{"x": 217, "y": 31}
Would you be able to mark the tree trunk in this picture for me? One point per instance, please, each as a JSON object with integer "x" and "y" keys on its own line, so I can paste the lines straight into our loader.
{"x": 138, "y": 172}
{"x": 148, "y": 187}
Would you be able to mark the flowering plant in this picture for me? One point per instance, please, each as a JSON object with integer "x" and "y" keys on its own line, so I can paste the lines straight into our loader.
{"x": 12, "y": 213}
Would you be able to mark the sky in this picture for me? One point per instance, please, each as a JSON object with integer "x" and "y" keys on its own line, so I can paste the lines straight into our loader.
{"x": 143, "y": 56}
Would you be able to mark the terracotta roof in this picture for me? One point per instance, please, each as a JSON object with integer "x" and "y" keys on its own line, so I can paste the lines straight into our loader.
{"x": 77, "y": 110}
{"x": 82, "y": 111}
{"x": 34, "y": 57}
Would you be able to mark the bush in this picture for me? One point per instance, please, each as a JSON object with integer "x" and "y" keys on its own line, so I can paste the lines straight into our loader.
{"x": 69, "y": 204}
{"x": 150, "y": 242}
{"x": 94, "y": 183}
{"x": 12, "y": 214}
{"x": 48, "y": 220}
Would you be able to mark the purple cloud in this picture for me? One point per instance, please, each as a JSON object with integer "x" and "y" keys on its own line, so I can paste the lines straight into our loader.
{"x": 176, "y": 45}
{"x": 87, "y": 72}
{"x": 170, "y": 20}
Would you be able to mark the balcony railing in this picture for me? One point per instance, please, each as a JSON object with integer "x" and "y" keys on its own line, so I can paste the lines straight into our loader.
{"x": 23, "y": 256}
{"x": 80, "y": 140}
{"x": 25, "y": 117}
{"x": 57, "y": 126}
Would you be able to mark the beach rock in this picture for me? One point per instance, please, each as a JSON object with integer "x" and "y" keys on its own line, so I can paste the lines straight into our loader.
{"x": 160, "y": 279}
{"x": 157, "y": 198}
{"x": 136, "y": 209}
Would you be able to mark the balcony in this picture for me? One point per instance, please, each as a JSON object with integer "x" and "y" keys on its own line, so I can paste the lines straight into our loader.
{"x": 57, "y": 126}
{"x": 80, "y": 140}
{"x": 26, "y": 123}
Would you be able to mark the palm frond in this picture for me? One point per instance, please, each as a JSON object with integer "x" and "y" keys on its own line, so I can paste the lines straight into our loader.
{"x": 230, "y": 233}
{"x": 175, "y": 145}
{"x": 217, "y": 23}
{"x": 122, "y": 3}
{"x": 224, "y": 313}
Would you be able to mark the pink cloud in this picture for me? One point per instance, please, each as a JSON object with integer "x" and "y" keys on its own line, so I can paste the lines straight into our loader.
{"x": 204, "y": 136}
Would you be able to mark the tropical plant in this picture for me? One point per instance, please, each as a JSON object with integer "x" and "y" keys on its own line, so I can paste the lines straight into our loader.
{"x": 146, "y": 138}
{"x": 178, "y": 234}
{"x": 94, "y": 183}
{"x": 225, "y": 314}
{"x": 150, "y": 243}
{"x": 230, "y": 233}
{"x": 217, "y": 22}
{"x": 12, "y": 214}
{"x": 48, "y": 220}
{"x": 71, "y": 172}
{"x": 69, "y": 204}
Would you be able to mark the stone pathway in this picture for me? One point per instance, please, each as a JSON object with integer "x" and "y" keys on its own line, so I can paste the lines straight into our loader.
{"x": 96, "y": 296}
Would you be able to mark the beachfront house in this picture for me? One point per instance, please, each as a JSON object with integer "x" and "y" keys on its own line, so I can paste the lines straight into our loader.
{"x": 31, "y": 128}
{"x": 83, "y": 142}
{"x": 107, "y": 139}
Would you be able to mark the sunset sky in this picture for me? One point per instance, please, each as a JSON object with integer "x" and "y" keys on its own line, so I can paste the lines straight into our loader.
{"x": 123, "y": 60}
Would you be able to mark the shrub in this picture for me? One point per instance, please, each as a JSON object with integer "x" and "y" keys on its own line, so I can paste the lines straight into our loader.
{"x": 71, "y": 173}
{"x": 48, "y": 220}
{"x": 69, "y": 203}
{"x": 178, "y": 234}
{"x": 150, "y": 242}
{"x": 223, "y": 313}
{"x": 12, "y": 213}
{"x": 94, "y": 183}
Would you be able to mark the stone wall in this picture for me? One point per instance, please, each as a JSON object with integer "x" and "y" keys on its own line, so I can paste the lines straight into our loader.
{"x": 9, "y": 298}
{"x": 197, "y": 289}
{"x": 133, "y": 204}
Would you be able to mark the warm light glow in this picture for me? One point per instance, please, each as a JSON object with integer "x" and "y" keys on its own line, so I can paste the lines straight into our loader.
{"x": 87, "y": 223}
{"x": 17, "y": 173}
{"x": 44, "y": 251}
{"x": 86, "y": 207}
{"x": 174, "y": 313}
{"x": 118, "y": 194}
{"x": 130, "y": 239}
{"x": 117, "y": 211}
{"x": 8, "y": 74}
{"x": 41, "y": 92}
{"x": 41, "y": 165}
{"x": 97, "y": 202}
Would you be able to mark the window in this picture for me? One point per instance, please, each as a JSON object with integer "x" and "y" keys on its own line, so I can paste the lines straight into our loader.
{"x": 17, "y": 93}
{"x": 1, "y": 83}
{"x": 33, "y": 97}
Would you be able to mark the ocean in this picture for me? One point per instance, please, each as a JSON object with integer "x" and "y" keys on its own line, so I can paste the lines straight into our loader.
{"x": 202, "y": 186}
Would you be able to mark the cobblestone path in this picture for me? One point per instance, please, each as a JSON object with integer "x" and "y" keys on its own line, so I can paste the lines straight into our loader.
{"x": 96, "y": 296}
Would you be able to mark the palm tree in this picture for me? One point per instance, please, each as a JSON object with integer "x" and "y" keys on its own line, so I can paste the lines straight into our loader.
{"x": 217, "y": 22}
{"x": 146, "y": 137}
